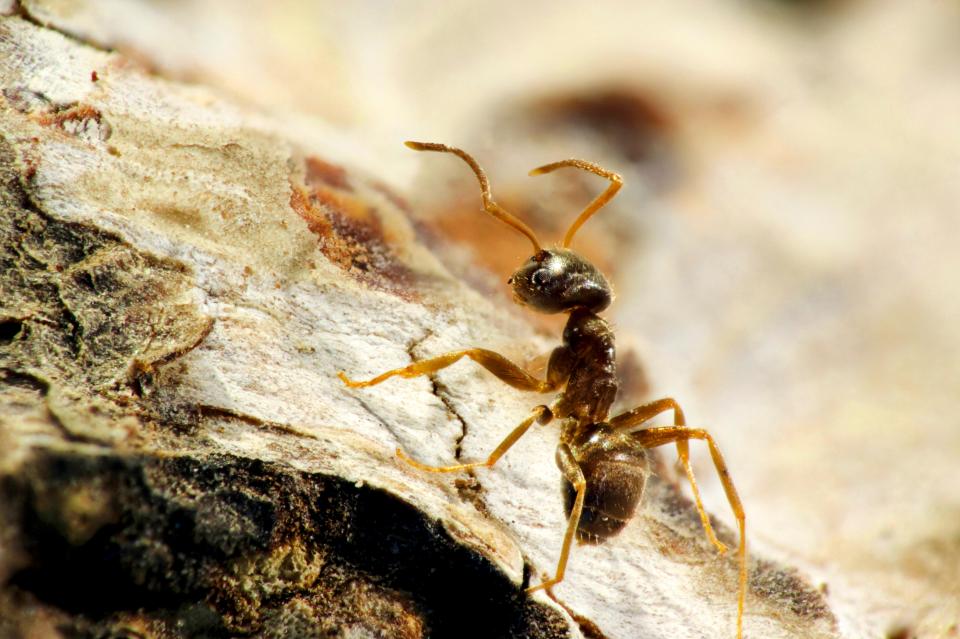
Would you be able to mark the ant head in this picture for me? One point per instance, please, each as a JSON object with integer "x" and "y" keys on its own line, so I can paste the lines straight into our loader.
{"x": 553, "y": 280}
{"x": 559, "y": 280}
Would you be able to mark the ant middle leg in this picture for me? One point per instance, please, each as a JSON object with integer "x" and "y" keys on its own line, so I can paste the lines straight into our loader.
{"x": 500, "y": 366}
{"x": 541, "y": 415}
{"x": 646, "y": 412}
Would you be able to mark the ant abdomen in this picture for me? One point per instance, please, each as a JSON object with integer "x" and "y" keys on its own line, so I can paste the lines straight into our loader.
{"x": 615, "y": 478}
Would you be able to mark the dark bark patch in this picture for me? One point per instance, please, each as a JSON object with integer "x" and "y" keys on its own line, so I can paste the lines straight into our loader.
{"x": 231, "y": 545}
{"x": 10, "y": 328}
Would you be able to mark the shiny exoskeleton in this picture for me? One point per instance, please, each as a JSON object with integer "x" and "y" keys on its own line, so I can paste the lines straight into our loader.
{"x": 603, "y": 460}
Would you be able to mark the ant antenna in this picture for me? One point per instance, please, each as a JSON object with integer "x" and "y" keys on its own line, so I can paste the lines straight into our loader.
{"x": 489, "y": 205}
{"x": 615, "y": 183}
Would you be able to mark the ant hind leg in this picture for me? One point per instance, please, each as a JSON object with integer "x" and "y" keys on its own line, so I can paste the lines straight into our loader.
{"x": 646, "y": 412}
{"x": 681, "y": 435}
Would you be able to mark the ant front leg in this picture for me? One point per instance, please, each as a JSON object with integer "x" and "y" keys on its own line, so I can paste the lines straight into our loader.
{"x": 500, "y": 366}
{"x": 541, "y": 415}
{"x": 574, "y": 474}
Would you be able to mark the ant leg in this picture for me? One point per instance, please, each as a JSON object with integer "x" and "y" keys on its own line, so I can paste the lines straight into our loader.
{"x": 504, "y": 369}
{"x": 540, "y": 414}
{"x": 615, "y": 183}
{"x": 652, "y": 437}
{"x": 649, "y": 411}
{"x": 574, "y": 474}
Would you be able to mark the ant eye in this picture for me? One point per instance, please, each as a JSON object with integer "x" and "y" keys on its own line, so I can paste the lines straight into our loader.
{"x": 540, "y": 277}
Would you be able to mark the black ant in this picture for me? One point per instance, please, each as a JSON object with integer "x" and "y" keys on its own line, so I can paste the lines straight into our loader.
{"x": 603, "y": 460}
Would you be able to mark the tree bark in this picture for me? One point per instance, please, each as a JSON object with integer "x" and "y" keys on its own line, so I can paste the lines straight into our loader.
{"x": 180, "y": 283}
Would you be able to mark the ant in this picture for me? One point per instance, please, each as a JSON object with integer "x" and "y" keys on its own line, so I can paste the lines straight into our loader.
{"x": 603, "y": 460}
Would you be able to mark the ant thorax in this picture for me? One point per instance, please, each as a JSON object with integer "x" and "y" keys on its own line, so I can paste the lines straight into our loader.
{"x": 588, "y": 344}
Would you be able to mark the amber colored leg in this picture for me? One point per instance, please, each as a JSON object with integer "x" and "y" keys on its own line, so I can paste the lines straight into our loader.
{"x": 540, "y": 414}
{"x": 652, "y": 437}
{"x": 646, "y": 412}
{"x": 497, "y": 364}
{"x": 615, "y": 183}
{"x": 571, "y": 470}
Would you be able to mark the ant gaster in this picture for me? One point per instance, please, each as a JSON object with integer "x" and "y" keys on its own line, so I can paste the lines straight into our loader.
{"x": 603, "y": 460}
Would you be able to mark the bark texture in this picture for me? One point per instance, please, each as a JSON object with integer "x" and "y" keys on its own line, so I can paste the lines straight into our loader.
{"x": 181, "y": 279}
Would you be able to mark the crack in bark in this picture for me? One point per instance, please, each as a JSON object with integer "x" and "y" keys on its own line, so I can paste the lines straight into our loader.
{"x": 207, "y": 410}
{"x": 379, "y": 418}
{"x": 470, "y": 489}
{"x": 440, "y": 391}
{"x": 437, "y": 388}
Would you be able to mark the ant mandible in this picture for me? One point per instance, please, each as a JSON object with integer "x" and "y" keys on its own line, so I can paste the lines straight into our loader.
{"x": 603, "y": 460}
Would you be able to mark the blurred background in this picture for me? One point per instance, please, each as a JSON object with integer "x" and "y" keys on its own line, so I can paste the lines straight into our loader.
{"x": 784, "y": 251}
